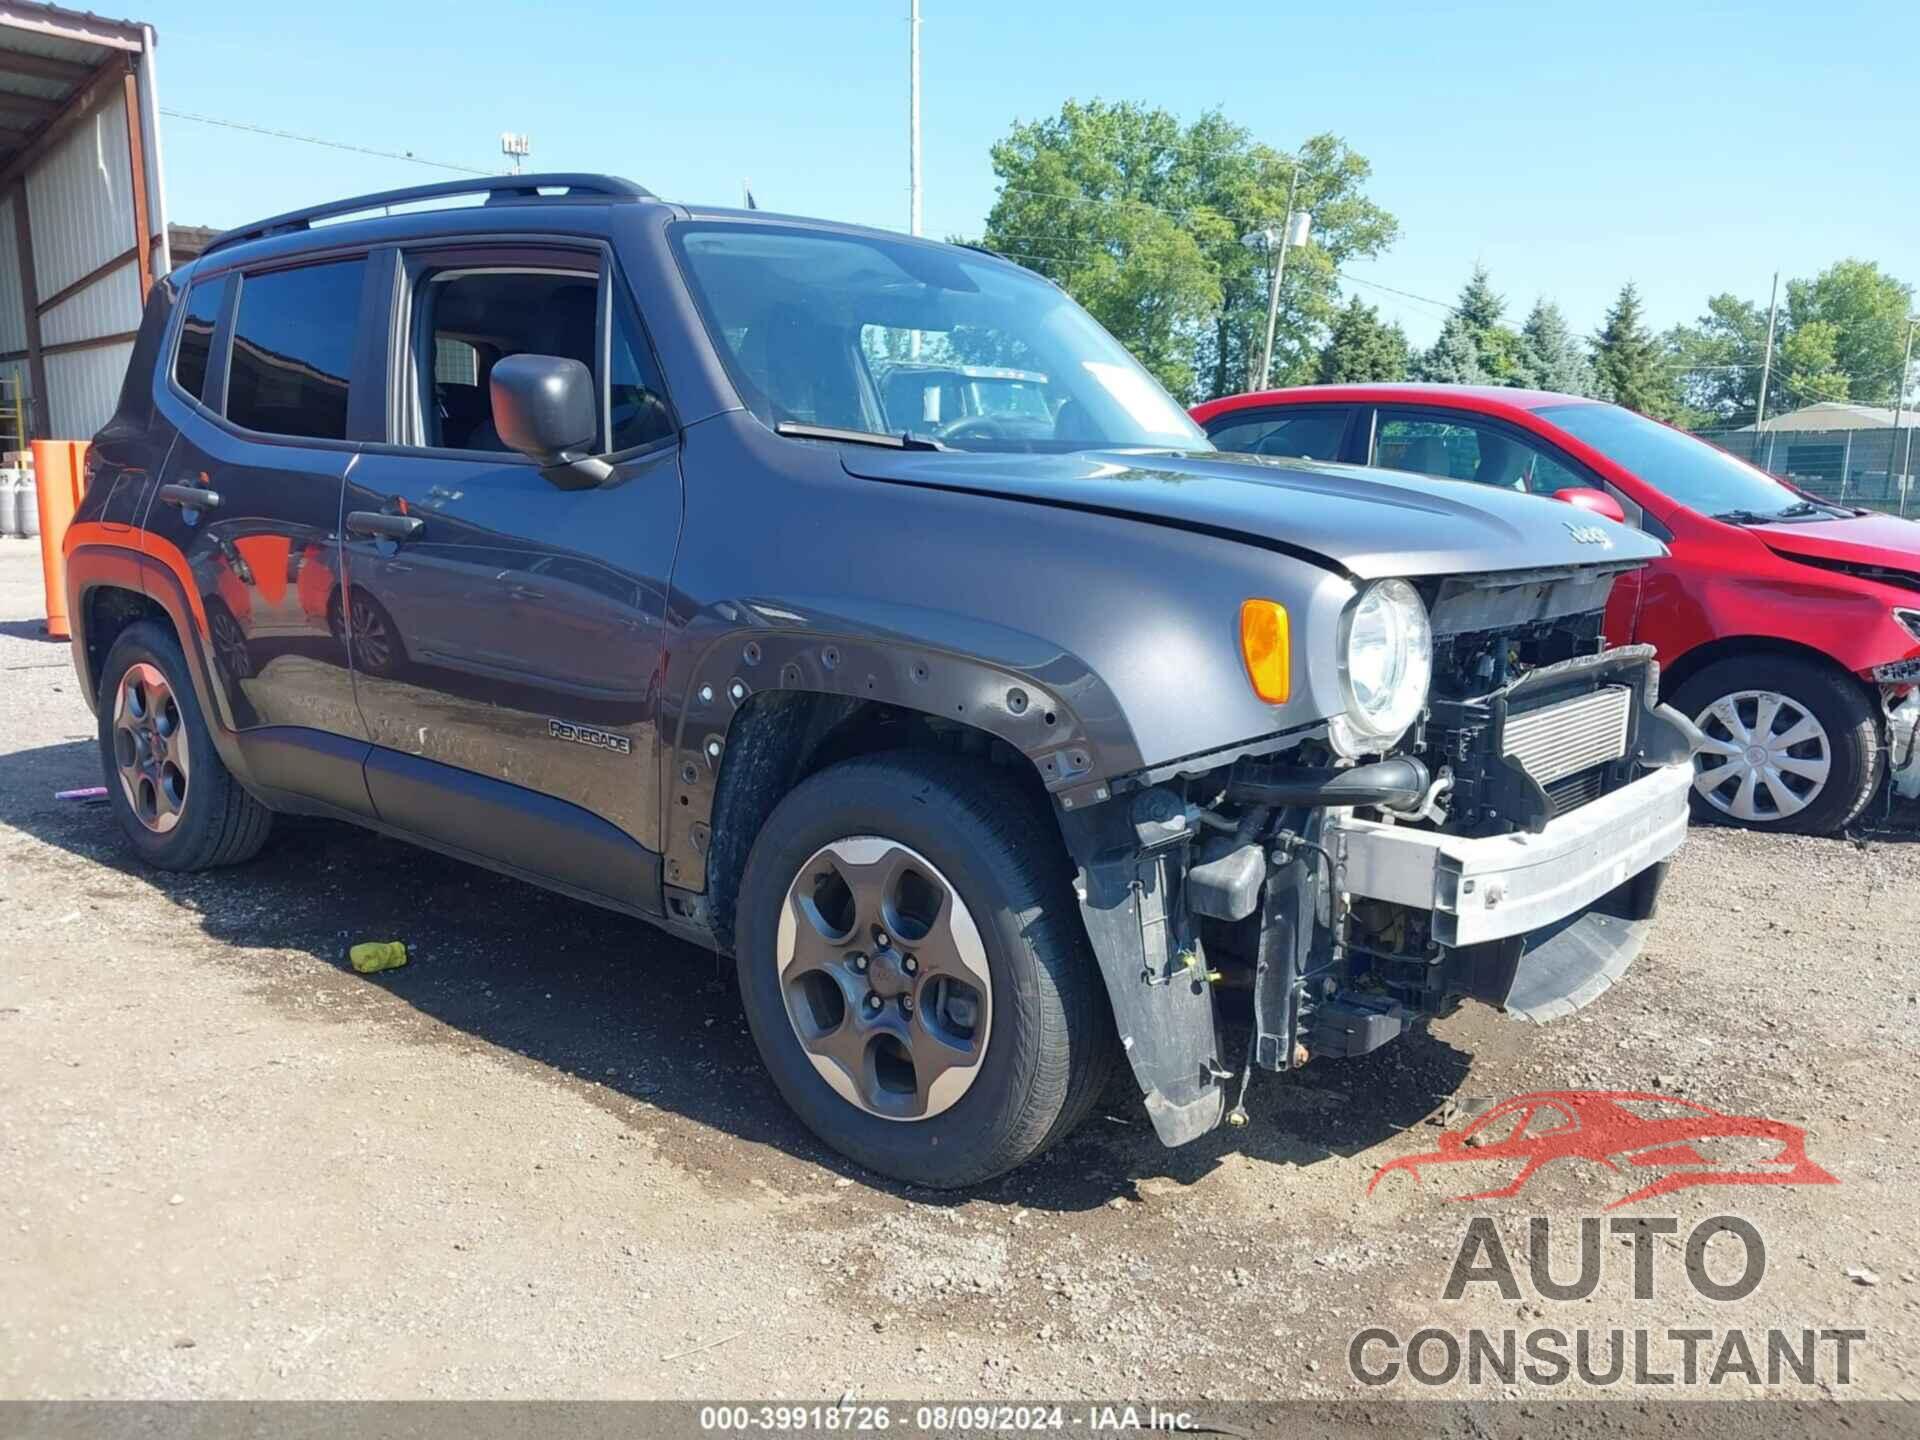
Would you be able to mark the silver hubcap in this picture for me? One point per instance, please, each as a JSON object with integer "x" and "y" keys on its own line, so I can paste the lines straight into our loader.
{"x": 885, "y": 978}
{"x": 150, "y": 747}
{"x": 1765, "y": 758}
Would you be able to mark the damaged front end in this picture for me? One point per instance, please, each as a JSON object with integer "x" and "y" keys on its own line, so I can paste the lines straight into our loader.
{"x": 1510, "y": 849}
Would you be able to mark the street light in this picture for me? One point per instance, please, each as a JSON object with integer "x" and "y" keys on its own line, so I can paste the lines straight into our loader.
{"x": 1276, "y": 241}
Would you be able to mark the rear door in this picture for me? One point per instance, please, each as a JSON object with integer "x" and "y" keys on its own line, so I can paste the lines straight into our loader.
{"x": 507, "y": 647}
{"x": 262, "y": 392}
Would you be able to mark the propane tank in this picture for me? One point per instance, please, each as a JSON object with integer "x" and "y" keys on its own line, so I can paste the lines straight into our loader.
{"x": 29, "y": 502}
{"x": 9, "y": 505}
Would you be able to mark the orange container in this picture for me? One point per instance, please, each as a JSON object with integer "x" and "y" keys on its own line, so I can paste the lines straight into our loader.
{"x": 59, "y": 472}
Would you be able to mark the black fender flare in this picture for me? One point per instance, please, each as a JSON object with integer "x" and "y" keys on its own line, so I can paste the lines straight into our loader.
{"x": 1039, "y": 698}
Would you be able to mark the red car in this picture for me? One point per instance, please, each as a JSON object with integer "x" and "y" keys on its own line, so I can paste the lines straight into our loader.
{"x": 1681, "y": 1143}
{"x": 1787, "y": 626}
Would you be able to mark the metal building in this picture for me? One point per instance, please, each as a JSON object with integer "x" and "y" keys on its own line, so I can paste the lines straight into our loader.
{"x": 83, "y": 227}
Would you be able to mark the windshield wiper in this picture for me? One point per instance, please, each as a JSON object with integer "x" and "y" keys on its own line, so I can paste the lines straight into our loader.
{"x": 1744, "y": 517}
{"x": 905, "y": 440}
{"x": 1802, "y": 509}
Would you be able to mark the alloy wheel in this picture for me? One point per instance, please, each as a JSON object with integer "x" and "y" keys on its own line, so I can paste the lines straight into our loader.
{"x": 230, "y": 645}
{"x": 150, "y": 751}
{"x": 372, "y": 646}
{"x": 885, "y": 978}
{"x": 1765, "y": 756}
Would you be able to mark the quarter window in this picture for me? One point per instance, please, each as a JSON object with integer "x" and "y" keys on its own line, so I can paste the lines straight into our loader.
{"x": 640, "y": 414}
{"x": 195, "y": 354}
{"x": 293, "y": 346}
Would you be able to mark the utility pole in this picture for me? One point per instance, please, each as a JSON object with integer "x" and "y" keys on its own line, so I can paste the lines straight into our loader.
{"x": 1277, "y": 264}
{"x": 1899, "y": 410}
{"x": 913, "y": 115}
{"x": 1766, "y": 364}
{"x": 516, "y": 148}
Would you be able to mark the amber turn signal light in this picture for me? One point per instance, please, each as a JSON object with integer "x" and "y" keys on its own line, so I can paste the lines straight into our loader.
{"x": 1265, "y": 645}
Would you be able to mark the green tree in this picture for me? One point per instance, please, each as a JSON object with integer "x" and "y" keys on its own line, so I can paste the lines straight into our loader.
{"x": 1550, "y": 357}
{"x": 1362, "y": 348}
{"x": 1867, "y": 310}
{"x": 1453, "y": 358}
{"x": 1474, "y": 346}
{"x": 1630, "y": 366}
{"x": 1717, "y": 363}
{"x": 1809, "y": 367}
{"x": 1140, "y": 219}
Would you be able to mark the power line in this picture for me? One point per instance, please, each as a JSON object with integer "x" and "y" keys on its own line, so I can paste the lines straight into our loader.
{"x": 329, "y": 144}
{"x": 1403, "y": 294}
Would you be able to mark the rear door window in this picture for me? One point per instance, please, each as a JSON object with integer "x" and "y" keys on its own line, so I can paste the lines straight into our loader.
{"x": 1318, "y": 434}
{"x": 293, "y": 350}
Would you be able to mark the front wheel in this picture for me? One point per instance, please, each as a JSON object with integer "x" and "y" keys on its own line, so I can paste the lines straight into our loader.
{"x": 915, "y": 972}
{"x": 1789, "y": 744}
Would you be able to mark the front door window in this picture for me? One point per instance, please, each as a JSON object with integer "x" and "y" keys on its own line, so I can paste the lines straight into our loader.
{"x": 1458, "y": 449}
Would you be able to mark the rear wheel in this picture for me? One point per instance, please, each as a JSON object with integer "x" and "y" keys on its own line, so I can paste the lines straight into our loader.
{"x": 364, "y": 626}
{"x": 914, "y": 969}
{"x": 175, "y": 801}
{"x": 1789, "y": 744}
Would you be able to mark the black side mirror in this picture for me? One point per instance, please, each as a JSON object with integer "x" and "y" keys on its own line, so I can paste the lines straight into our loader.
{"x": 543, "y": 407}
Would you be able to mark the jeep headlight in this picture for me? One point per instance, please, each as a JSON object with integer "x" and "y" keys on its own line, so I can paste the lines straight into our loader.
{"x": 1386, "y": 663}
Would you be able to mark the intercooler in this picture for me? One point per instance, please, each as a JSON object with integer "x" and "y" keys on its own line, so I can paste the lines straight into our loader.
{"x": 1559, "y": 740}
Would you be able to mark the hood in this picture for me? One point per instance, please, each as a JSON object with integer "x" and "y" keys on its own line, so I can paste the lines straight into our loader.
{"x": 1369, "y": 523}
{"x": 1883, "y": 542}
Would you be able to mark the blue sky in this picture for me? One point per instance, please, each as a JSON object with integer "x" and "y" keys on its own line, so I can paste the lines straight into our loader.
{"x": 1689, "y": 147}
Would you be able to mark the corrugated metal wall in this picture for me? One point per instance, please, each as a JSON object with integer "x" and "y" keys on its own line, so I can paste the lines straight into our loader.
{"x": 81, "y": 218}
{"x": 109, "y": 306}
{"x": 80, "y": 200}
{"x": 82, "y": 388}
{"x": 13, "y": 317}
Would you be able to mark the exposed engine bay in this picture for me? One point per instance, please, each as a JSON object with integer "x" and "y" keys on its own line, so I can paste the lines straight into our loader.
{"x": 1508, "y": 848}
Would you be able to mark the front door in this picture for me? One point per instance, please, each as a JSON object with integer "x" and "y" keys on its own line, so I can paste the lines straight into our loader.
{"x": 1482, "y": 451}
{"x": 247, "y": 510}
{"x": 506, "y": 633}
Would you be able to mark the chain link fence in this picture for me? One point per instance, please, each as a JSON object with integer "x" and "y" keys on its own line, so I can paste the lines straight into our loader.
{"x": 1874, "y": 469}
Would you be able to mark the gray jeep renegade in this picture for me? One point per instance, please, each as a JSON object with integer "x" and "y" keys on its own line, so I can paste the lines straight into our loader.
{"x": 856, "y": 607}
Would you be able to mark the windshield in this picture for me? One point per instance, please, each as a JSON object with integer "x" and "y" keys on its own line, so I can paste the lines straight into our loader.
{"x": 1700, "y": 476}
{"x": 896, "y": 338}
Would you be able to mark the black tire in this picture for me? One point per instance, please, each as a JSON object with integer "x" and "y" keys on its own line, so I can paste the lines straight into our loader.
{"x": 1856, "y": 758}
{"x": 219, "y": 822}
{"x": 1051, "y": 1047}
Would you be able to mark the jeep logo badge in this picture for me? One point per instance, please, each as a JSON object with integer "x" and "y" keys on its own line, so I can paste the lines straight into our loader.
{"x": 1587, "y": 534}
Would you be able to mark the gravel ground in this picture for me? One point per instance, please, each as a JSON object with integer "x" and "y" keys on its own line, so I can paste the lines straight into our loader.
{"x": 542, "y": 1160}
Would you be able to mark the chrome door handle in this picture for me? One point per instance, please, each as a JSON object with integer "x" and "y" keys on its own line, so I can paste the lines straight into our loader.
{"x": 379, "y": 525}
{"x": 189, "y": 497}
